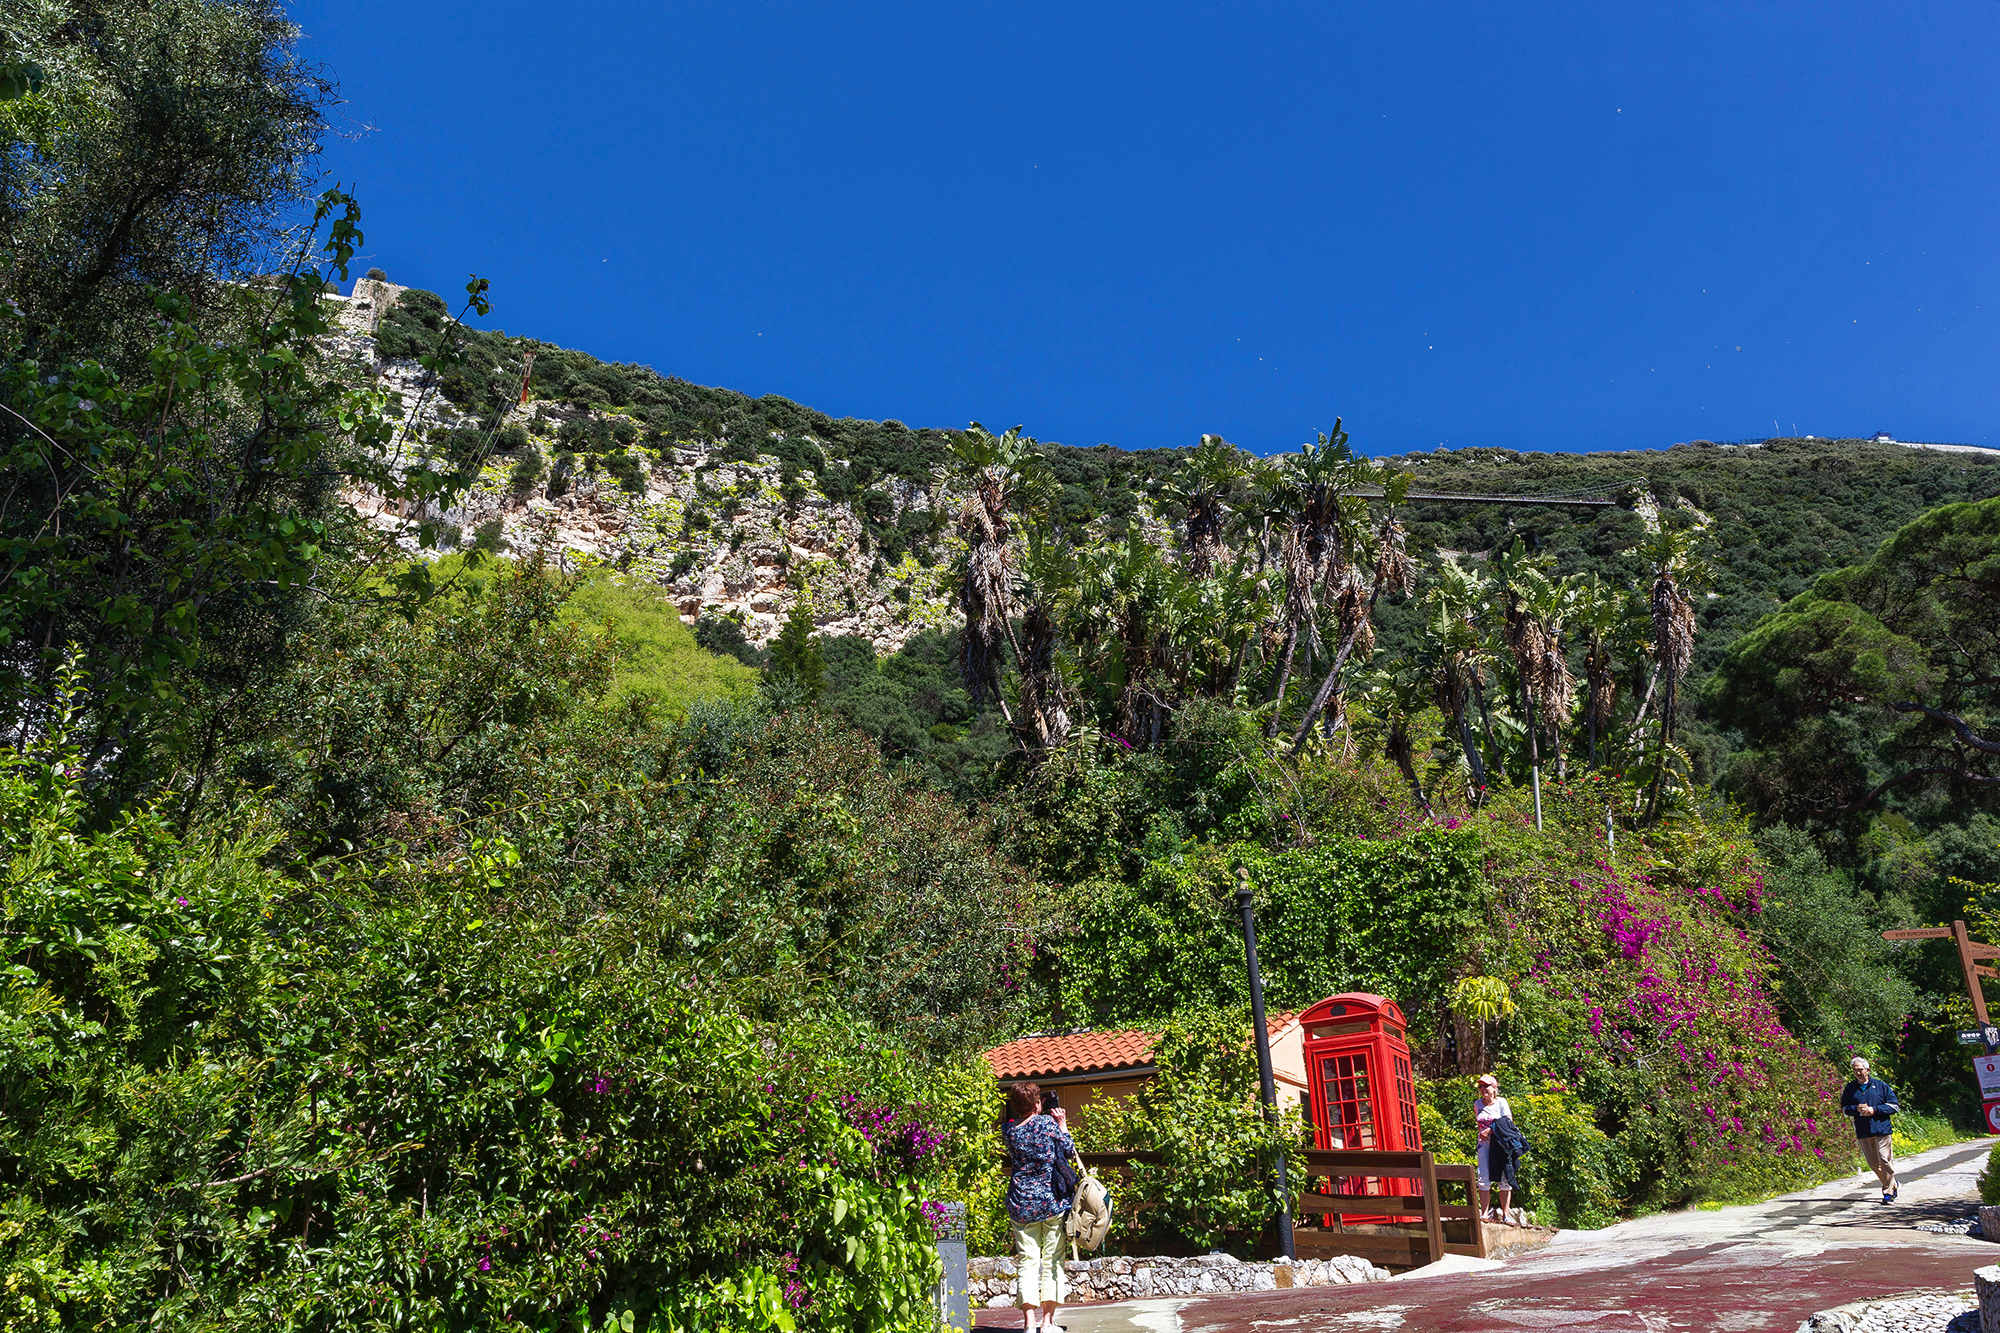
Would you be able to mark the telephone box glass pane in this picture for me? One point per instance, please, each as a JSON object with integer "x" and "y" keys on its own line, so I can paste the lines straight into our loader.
{"x": 1406, "y": 1097}
{"x": 1350, "y": 1102}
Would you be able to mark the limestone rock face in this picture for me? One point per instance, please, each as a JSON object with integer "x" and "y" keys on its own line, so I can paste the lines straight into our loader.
{"x": 718, "y": 538}
{"x": 362, "y": 312}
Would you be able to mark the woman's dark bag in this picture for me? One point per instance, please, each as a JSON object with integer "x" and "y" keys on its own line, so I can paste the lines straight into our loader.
{"x": 1063, "y": 1180}
{"x": 1509, "y": 1136}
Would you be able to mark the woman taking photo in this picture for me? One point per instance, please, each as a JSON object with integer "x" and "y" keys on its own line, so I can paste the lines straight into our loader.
{"x": 1035, "y": 1143}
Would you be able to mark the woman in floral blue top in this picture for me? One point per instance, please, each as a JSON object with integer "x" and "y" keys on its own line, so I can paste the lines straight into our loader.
{"x": 1035, "y": 1143}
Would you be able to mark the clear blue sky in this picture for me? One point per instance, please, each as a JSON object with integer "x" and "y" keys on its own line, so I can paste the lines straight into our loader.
{"x": 1536, "y": 226}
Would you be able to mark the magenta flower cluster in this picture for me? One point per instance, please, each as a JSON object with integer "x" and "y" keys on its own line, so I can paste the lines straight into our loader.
{"x": 898, "y": 1133}
{"x": 1691, "y": 1007}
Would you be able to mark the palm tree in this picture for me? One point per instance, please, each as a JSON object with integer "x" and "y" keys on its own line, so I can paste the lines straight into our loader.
{"x": 1457, "y": 651}
{"x": 1050, "y": 571}
{"x": 1674, "y": 551}
{"x": 1310, "y": 496}
{"x": 1001, "y": 474}
{"x": 1201, "y": 488}
{"x": 1393, "y": 572}
{"x": 1533, "y": 607}
{"x": 1397, "y": 694}
{"x": 1603, "y": 612}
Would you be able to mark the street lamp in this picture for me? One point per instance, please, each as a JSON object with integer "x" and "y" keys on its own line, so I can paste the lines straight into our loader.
{"x": 1263, "y": 1037}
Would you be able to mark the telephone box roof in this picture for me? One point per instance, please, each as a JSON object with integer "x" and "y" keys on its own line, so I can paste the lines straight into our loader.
{"x": 1357, "y": 1003}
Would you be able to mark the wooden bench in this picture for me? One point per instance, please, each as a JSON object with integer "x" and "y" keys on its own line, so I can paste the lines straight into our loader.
{"x": 1423, "y": 1226}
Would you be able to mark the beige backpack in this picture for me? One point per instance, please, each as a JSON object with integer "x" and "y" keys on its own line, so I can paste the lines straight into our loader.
{"x": 1089, "y": 1213}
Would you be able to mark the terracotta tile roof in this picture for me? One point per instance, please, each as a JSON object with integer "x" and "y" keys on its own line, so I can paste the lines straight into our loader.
{"x": 1084, "y": 1052}
{"x": 1070, "y": 1053}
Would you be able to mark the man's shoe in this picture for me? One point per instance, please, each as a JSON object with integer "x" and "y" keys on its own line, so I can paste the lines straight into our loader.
{"x": 1888, "y": 1196}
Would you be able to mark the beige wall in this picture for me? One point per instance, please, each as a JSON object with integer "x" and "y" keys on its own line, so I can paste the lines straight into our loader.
{"x": 1288, "y": 1065}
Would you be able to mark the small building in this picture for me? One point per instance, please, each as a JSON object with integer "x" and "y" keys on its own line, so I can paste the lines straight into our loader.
{"x": 1086, "y": 1066}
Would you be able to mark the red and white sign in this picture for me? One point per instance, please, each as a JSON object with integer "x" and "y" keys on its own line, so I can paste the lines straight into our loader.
{"x": 1993, "y": 1117}
{"x": 1986, "y": 1068}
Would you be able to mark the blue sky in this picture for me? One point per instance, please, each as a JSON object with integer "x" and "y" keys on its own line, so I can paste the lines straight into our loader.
{"x": 1539, "y": 227}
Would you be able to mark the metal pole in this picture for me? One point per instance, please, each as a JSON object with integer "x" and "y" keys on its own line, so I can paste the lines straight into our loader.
{"x": 1263, "y": 1038}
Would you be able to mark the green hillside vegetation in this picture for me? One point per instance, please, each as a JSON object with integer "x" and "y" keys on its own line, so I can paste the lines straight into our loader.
{"x": 659, "y": 661}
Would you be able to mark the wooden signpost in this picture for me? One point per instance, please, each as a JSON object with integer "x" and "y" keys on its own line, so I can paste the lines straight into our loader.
{"x": 1970, "y": 952}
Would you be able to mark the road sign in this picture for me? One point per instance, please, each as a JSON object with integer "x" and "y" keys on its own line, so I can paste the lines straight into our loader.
{"x": 1991, "y": 1036}
{"x": 1986, "y": 1068}
{"x": 1970, "y": 1039}
{"x": 1931, "y": 933}
{"x": 1993, "y": 1117}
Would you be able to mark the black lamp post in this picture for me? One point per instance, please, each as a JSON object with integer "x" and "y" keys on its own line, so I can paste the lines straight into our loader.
{"x": 1263, "y": 1036}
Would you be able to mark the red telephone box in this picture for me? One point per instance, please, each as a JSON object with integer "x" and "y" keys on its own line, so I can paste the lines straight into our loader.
{"x": 1358, "y": 1075}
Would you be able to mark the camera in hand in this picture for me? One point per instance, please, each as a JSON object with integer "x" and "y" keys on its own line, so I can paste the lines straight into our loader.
{"x": 1051, "y": 1102}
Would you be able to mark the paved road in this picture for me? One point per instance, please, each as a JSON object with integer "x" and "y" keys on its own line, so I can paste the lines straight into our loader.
{"x": 1735, "y": 1270}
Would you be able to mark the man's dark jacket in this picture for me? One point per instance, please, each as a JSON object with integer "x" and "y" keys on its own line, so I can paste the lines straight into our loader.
{"x": 1876, "y": 1094}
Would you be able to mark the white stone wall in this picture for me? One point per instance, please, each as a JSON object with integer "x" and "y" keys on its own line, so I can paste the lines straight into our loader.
{"x": 1118, "y": 1278}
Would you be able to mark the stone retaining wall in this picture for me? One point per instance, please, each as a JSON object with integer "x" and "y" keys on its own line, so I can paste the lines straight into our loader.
{"x": 1120, "y": 1278}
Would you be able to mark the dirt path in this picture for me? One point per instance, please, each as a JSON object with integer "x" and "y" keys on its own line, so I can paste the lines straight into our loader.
{"x": 1768, "y": 1266}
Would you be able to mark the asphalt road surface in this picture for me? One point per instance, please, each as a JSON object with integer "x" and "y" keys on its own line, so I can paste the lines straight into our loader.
{"x": 1768, "y": 1266}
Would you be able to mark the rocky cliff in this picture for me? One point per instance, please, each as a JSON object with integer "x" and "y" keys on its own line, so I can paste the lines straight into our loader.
{"x": 719, "y": 537}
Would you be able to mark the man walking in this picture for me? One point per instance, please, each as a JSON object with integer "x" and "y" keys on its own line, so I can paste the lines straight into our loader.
{"x": 1871, "y": 1102}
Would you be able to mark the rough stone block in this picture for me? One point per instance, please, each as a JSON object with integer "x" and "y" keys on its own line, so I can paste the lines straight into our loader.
{"x": 1989, "y": 1223}
{"x": 1986, "y": 1283}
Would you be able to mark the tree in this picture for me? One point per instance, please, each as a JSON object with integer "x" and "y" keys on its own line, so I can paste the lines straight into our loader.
{"x": 1005, "y": 481}
{"x": 163, "y": 152}
{"x": 1883, "y": 676}
{"x": 180, "y": 520}
{"x": 1602, "y": 612}
{"x": 1393, "y": 572}
{"x": 1312, "y": 497}
{"x": 1533, "y": 607}
{"x": 1201, "y": 488}
{"x": 1675, "y": 552}
{"x": 797, "y": 669}
{"x": 1455, "y": 648}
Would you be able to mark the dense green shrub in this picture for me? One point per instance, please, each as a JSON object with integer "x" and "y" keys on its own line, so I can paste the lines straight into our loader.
{"x": 1573, "y": 1174}
{"x": 797, "y": 668}
{"x": 200, "y": 1134}
{"x": 528, "y": 470}
{"x": 724, "y": 635}
{"x": 1989, "y": 1178}
{"x": 1215, "y": 1185}
{"x": 1351, "y": 914}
